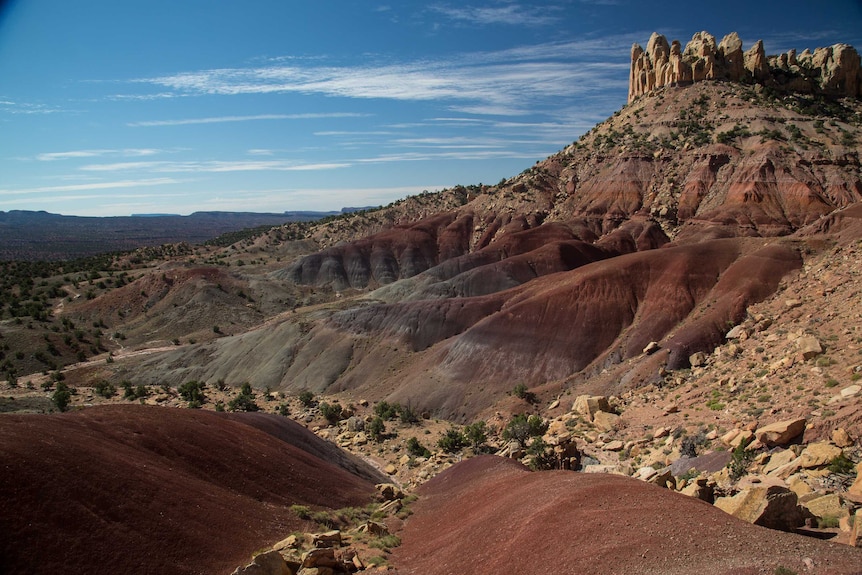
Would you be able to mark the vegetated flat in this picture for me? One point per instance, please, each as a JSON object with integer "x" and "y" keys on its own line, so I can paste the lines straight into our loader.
{"x": 33, "y": 236}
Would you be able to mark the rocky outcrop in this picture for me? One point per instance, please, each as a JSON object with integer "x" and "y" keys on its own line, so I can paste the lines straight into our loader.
{"x": 832, "y": 70}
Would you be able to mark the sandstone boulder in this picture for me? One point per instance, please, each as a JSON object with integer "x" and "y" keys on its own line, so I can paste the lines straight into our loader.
{"x": 826, "y": 506}
{"x": 389, "y": 491}
{"x": 327, "y": 539}
{"x": 818, "y": 455}
{"x": 778, "y": 460}
{"x": 841, "y": 438}
{"x": 781, "y": 432}
{"x": 769, "y": 506}
{"x": 699, "y": 489}
{"x": 605, "y": 421}
{"x": 589, "y": 405}
{"x": 809, "y": 347}
{"x": 324, "y": 557}
{"x": 269, "y": 563}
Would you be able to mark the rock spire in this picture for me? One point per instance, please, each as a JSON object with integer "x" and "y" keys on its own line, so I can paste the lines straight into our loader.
{"x": 833, "y": 70}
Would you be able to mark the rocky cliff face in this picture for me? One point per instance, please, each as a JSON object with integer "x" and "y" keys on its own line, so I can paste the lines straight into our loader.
{"x": 833, "y": 70}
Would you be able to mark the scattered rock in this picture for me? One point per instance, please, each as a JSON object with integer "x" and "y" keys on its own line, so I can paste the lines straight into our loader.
{"x": 605, "y": 421}
{"x": 651, "y": 348}
{"x": 268, "y": 563}
{"x": 809, "y": 347}
{"x": 769, "y": 506}
{"x": 389, "y": 491}
{"x": 697, "y": 359}
{"x": 737, "y": 332}
{"x": 826, "y": 506}
{"x": 327, "y": 539}
{"x": 841, "y": 438}
{"x": 589, "y": 405}
{"x": 818, "y": 455}
{"x": 781, "y": 432}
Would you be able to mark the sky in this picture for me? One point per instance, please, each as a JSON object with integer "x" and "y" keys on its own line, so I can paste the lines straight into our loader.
{"x": 119, "y": 107}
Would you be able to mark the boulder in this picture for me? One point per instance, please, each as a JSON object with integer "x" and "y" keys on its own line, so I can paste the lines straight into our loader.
{"x": 269, "y": 563}
{"x": 737, "y": 332}
{"x": 809, "y": 347}
{"x": 778, "y": 460}
{"x": 781, "y": 432}
{"x": 589, "y": 405}
{"x": 768, "y": 506}
{"x": 855, "y": 539}
{"x": 798, "y": 486}
{"x": 327, "y": 539}
{"x": 324, "y": 557}
{"x": 826, "y": 506}
{"x": 605, "y": 421}
{"x": 663, "y": 478}
{"x": 389, "y": 491}
{"x": 855, "y": 490}
{"x": 697, "y": 359}
{"x": 818, "y": 455}
{"x": 390, "y": 507}
{"x": 841, "y": 438}
{"x": 699, "y": 489}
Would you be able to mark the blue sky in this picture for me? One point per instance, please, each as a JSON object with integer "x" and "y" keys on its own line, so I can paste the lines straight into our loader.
{"x": 113, "y": 107}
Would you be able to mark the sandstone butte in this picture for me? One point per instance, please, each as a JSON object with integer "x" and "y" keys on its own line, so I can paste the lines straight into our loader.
{"x": 833, "y": 70}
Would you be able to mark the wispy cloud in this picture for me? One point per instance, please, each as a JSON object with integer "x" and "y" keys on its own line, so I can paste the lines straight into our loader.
{"x": 76, "y": 154}
{"x": 214, "y": 166}
{"x": 508, "y": 14}
{"x": 14, "y": 107}
{"x": 92, "y": 186}
{"x": 517, "y": 81}
{"x": 222, "y": 119}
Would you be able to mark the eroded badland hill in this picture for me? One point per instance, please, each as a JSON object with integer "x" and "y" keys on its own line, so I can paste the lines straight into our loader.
{"x": 675, "y": 297}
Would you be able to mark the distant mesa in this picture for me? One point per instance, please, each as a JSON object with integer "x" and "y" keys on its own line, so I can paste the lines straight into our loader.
{"x": 830, "y": 71}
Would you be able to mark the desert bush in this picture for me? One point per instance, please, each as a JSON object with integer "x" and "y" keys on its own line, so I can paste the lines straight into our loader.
{"x": 740, "y": 460}
{"x": 452, "y": 441}
{"x": 62, "y": 396}
{"x": 306, "y": 398}
{"x": 105, "y": 389}
{"x": 331, "y": 412}
{"x": 477, "y": 434}
{"x": 521, "y": 428}
{"x": 244, "y": 401}
{"x": 416, "y": 449}
{"x": 193, "y": 392}
{"x": 386, "y": 410}
{"x": 377, "y": 429}
{"x": 301, "y": 511}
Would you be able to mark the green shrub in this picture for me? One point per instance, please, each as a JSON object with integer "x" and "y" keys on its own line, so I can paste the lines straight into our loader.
{"x": 62, "y": 396}
{"x": 331, "y": 413}
{"x": 416, "y": 449}
{"x": 377, "y": 429}
{"x": 301, "y": 511}
{"x": 740, "y": 460}
{"x": 193, "y": 392}
{"x": 306, "y": 398}
{"x": 452, "y": 441}
{"x": 477, "y": 434}
{"x": 842, "y": 465}
{"x": 105, "y": 389}
{"x": 244, "y": 401}
{"x": 521, "y": 428}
